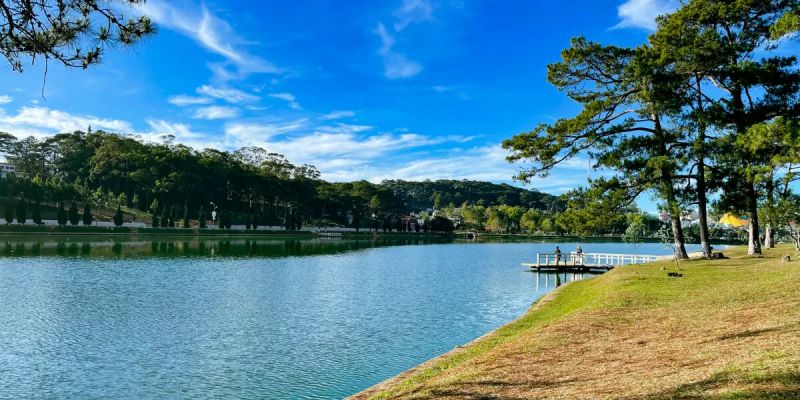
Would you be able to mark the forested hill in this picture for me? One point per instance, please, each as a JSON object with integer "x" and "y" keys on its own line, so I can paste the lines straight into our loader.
{"x": 441, "y": 193}
{"x": 173, "y": 183}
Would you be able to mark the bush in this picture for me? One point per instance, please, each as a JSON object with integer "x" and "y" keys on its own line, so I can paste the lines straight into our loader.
{"x": 442, "y": 225}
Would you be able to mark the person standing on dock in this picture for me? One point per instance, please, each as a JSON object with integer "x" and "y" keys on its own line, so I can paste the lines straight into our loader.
{"x": 579, "y": 255}
{"x": 558, "y": 256}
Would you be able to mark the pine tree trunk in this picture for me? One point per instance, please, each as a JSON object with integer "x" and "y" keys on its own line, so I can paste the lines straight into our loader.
{"x": 769, "y": 234}
{"x": 753, "y": 241}
{"x": 702, "y": 208}
{"x": 702, "y": 199}
{"x": 769, "y": 239}
{"x": 677, "y": 234}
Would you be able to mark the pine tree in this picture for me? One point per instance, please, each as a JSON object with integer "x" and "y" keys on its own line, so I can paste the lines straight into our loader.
{"x": 164, "y": 218}
{"x": 186, "y": 216}
{"x": 37, "y": 213}
{"x": 62, "y": 214}
{"x": 9, "y": 213}
{"x": 87, "y": 215}
{"x": 74, "y": 218}
{"x": 22, "y": 212}
{"x": 201, "y": 217}
{"x": 118, "y": 217}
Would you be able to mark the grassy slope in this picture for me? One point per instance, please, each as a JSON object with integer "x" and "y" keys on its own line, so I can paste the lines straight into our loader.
{"x": 727, "y": 329}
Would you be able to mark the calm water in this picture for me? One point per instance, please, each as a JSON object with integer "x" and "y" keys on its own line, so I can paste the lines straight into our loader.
{"x": 284, "y": 319}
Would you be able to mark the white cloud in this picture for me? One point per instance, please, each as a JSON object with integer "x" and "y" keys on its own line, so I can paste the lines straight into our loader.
{"x": 344, "y": 128}
{"x": 216, "y": 112}
{"x": 228, "y": 94}
{"x": 338, "y": 115}
{"x": 239, "y": 134}
{"x": 410, "y": 12}
{"x": 211, "y": 32}
{"x": 179, "y": 130}
{"x": 5, "y": 99}
{"x": 289, "y": 98}
{"x": 643, "y": 13}
{"x": 183, "y": 100}
{"x": 395, "y": 65}
{"x": 43, "y": 121}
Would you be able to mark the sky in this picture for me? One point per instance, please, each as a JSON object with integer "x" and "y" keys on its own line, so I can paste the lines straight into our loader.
{"x": 397, "y": 89}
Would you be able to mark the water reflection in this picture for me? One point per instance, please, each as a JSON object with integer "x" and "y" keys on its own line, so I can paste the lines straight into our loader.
{"x": 196, "y": 247}
{"x": 550, "y": 280}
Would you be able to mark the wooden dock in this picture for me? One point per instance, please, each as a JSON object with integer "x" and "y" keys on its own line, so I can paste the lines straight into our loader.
{"x": 588, "y": 262}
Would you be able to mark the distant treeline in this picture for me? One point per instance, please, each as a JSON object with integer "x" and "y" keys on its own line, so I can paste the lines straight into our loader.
{"x": 174, "y": 184}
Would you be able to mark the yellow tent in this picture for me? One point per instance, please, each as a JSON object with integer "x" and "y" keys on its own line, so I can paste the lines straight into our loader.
{"x": 733, "y": 221}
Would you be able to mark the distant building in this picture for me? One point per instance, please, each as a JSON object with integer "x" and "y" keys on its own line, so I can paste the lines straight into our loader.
{"x": 6, "y": 169}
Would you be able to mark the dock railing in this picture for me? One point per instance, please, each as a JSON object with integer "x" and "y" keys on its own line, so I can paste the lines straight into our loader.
{"x": 593, "y": 259}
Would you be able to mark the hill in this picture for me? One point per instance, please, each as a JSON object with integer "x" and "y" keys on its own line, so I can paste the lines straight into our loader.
{"x": 422, "y": 195}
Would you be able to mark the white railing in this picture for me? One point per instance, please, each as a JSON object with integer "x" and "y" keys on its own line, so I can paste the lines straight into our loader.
{"x": 593, "y": 259}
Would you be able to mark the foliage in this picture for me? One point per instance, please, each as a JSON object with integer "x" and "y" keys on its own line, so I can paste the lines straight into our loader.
{"x": 441, "y": 224}
{"x": 636, "y": 231}
{"x": 700, "y": 96}
{"x": 73, "y": 33}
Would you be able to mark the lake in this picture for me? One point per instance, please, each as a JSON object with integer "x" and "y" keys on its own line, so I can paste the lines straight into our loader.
{"x": 240, "y": 318}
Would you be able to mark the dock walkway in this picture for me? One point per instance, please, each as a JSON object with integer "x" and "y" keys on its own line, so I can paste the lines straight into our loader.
{"x": 588, "y": 262}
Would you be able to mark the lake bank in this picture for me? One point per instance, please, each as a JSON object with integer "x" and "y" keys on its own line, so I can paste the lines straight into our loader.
{"x": 726, "y": 329}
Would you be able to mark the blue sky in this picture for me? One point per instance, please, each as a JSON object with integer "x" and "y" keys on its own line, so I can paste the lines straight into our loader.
{"x": 400, "y": 89}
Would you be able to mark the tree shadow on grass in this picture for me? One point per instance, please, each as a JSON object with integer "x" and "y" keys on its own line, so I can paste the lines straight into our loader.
{"x": 780, "y": 385}
{"x": 490, "y": 390}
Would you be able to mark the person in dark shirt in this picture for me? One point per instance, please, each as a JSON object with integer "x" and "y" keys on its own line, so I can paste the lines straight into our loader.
{"x": 558, "y": 256}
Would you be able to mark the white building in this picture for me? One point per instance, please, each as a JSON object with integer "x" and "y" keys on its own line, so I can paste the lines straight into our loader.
{"x": 6, "y": 168}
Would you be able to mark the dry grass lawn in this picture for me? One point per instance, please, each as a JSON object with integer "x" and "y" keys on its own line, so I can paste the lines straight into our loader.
{"x": 728, "y": 329}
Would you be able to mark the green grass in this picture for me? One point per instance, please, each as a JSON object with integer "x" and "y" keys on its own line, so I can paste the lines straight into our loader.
{"x": 727, "y": 329}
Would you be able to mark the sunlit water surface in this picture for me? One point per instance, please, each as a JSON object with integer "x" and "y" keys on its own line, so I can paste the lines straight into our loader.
{"x": 289, "y": 319}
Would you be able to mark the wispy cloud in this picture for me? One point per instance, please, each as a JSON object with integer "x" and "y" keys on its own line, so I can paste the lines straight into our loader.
{"x": 395, "y": 65}
{"x": 42, "y": 121}
{"x": 239, "y": 134}
{"x": 216, "y": 112}
{"x": 228, "y": 94}
{"x": 412, "y": 11}
{"x": 183, "y": 100}
{"x": 643, "y": 13}
{"x": 289, "y": 98}
{"x": 338, "y": 115}
{"x": 211, "y": 32}
{"x": 457, "y": 90}
{"x": 5, "y": 99}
